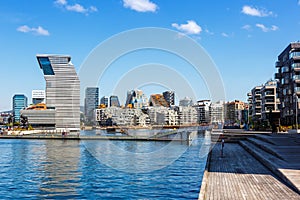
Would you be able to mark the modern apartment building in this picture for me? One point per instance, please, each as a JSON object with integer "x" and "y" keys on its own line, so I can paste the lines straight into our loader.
{"x": 270, "y": 102}
{"x": 217, "y": 112}
{"x": 234, "y": 112}
{"x": 19, "y": 103}
{"x": 169, "y": 96}
{"x": 256, "y": 103}
{"x": 187, "y": 115}
{"x": 91, "y": 102}
{"x": 288, "y": 76}
{"x": 62, "y": 92}
{"x": 203, "y": 108}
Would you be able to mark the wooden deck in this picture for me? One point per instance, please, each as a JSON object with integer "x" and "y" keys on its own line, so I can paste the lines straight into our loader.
{"x": 238, "y": 175}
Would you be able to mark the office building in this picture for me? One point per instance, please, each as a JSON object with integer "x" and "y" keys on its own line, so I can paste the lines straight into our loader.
{"x": 91, "y": 102}
{"x": 104, "y": 101}
{"x": 19, "y": 103}
{"x": 169, "y": 96}
{"x": 38, "y": 96}
{"x": 114, "y": 101}
{"x": 136, "y": 99}
{"x": 62, "y": 93}
{"x": 288, "y": 76}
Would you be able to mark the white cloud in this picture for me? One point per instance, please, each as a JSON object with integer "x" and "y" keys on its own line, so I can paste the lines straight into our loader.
{"x": 76, "y": 7}
{"x": 248, "y": 10}
{"x": 247, "y": 27}
{"x": 61, "y": 2}
{"x": 191, "y": 28}
{"x": 267, "y": 29}
{"x": 36, "y": 31}
{"x": 299, "y": 2}
{"x": 140, "y": 5}
{"x": 225, "y": 35}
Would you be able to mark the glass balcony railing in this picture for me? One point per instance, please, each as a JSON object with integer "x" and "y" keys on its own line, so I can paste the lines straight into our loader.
{"x": 297, "y": 89}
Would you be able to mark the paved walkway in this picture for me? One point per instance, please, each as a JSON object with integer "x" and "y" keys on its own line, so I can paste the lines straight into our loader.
{"x": 240, "y": 176}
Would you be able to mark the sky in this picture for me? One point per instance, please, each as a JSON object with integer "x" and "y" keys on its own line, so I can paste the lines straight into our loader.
{"x": 242, "y": 37}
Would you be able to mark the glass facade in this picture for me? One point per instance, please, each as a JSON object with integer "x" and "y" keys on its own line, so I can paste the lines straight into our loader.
{"x": 19, "y": 103}
{"x": 114, "y": 101}
{"x": 46, "y": 65}
{"x": 91, "y": 102}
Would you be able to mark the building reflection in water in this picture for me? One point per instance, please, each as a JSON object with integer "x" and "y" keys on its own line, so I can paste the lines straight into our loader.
{"x": 60, "y": 167}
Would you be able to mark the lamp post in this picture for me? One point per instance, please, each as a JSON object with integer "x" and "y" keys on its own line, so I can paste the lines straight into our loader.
{"x": 296, "y": 112}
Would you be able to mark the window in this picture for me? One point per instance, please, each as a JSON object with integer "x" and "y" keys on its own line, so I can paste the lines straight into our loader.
{"x": 285, "y": 69}
{"x": 294, "y": 54}
{"x": 46, "y": 66}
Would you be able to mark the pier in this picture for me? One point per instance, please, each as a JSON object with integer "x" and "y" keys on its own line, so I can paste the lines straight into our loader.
{"x": 253, "y": 166}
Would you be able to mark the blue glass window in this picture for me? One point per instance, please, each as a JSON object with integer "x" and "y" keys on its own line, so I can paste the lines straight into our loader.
{"x": 46, "y": 66}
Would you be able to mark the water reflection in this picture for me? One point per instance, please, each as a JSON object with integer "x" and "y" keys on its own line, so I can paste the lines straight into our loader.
{"x": 56, "y": 169}
{"x": 60, "y": 168}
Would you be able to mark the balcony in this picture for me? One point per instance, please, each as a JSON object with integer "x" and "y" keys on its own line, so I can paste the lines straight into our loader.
{"x": 296, "y": 66}
{"x": 297, "y": 90}
{"x": 278, "y": 64}
{"x": 278, "y": 75}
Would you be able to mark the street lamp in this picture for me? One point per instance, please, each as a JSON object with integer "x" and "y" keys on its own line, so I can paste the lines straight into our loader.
{"x": 296, "y": 112}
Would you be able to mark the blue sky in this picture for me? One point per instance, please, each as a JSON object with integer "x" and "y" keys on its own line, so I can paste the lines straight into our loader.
{"x": 243, "y": 37}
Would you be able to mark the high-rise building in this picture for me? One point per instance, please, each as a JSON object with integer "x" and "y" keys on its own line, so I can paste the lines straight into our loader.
{"x": 104, "y": 101}
{"x": 288, "y": 77}
{"x": 19, "y": 103}
{"x": 114, "y": 101}
{"x": 136, "y": 99}
{"x": 62, "y": 90}
{"x": 169, "y": 97}
{"x": 38, "y": 96}
{"x": 158, "y": 100}
{"x": 91, "y": 102}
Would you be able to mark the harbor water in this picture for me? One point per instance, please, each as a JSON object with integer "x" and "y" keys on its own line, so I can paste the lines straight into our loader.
{"x": 70, "y": 169}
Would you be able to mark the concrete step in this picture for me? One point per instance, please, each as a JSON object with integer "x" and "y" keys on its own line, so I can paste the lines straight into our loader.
{"x": 265, "y": 138}
{"x": 265, "y": 146}
{"x": 272, "y": 162}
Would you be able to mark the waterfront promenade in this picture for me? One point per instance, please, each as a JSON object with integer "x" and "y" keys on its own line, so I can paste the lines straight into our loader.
{"x": 259, "y": 167}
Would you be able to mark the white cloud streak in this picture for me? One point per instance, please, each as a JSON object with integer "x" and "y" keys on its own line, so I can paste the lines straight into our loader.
{"x": 76, "y": 7}
{"x": 225, "y": 35}
{"x": 247, "y": 27}
{"x": 36, "y": 31}
{"x": 140, "y": 5}
{"x": 267, "y": 29}
{"x": 190, "y": 28}
{"x": 248, "y": 10}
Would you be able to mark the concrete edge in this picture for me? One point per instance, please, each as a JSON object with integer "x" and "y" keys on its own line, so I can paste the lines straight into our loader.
{"x": 205, "y": 176}
{"x": 270, "y": 165}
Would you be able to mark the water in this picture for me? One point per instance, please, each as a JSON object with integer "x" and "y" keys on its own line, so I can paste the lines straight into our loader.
{"x": 55, "y": 169}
